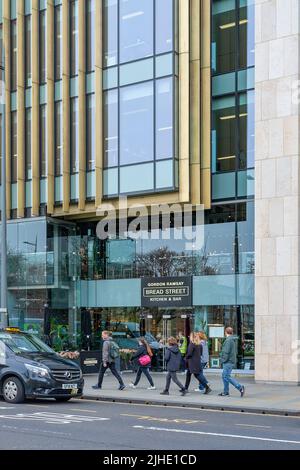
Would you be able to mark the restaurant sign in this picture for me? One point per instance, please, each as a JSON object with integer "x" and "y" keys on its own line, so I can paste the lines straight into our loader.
{"x": 166, "y": 291}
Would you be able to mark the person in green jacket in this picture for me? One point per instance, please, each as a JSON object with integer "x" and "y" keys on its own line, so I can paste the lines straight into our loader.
{"x": 228, "y": 358}
{"x": 182, "y": 346}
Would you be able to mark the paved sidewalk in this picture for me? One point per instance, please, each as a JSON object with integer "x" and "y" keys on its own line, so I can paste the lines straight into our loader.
{"x": 261, "y": 398}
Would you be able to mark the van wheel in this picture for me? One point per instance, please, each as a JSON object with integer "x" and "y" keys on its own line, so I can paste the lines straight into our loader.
{"x": 13, "y": 390}
{"x": 62, "y": 399}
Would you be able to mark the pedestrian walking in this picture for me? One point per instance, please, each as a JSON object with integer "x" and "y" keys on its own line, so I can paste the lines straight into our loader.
{"x": 193, "y": 358}
{"x": 182, "y": 344}
{"x": 110, "y": 352}
{"x": 143, "y": 357}
{"x": 173, "y": 360}
{"x": 204, "y": 355}
{"x": 228, "y": 359}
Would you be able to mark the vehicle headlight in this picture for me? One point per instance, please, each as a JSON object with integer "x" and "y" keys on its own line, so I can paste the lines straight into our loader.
{"x": 36, "y": 372}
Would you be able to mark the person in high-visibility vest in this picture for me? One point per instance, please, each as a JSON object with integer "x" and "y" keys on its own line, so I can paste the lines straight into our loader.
{"x": 182, "y": 345}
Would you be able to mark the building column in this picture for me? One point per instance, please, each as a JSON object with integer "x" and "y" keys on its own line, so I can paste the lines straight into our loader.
{"x": 277, "y": 191}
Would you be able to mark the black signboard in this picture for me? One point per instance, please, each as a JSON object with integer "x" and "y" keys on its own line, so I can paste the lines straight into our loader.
{"x": 90, "y": 361}
{"x": 167, "y": 291}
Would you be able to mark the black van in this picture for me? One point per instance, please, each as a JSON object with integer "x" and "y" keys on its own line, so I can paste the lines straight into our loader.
{"x": 30, "y": 369}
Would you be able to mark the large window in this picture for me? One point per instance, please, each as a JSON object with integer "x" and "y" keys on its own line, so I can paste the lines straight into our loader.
{"x": 58, "y": 139}
{"x": 90, "y": 35}
{"x": 136, "y": 123}
{"x": 28, "y": 164}
{"x": 28, "y": 50}
{"x": 90, "y": 132}
{"x": 14, "y": 147}
{"x": 42, "y": 46}
{"x": 224, "y": 134}
{"x": 140, "y": 96}
{"x": 136, "y": 29}
{"x": 74, "y": 45}
{"x": 110, "y": 33}
{"x": 164, "y": 118}
{"x": 233, "y": 119}
{"x": 43, "y": 141}
{"x": 232, "y": 35}
{"x": 74, "y": 136}
{"x": 14, "y": 54}
{"x": 164, "y": 26}
{"x": 58, "y": 42}
{"x": 233, "y": 142}
{"x": 111, "y": 130}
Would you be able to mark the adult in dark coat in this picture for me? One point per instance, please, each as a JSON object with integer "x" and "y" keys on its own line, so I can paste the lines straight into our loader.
{"x": 173, "y": 360}
{"x": 194, "y": 366}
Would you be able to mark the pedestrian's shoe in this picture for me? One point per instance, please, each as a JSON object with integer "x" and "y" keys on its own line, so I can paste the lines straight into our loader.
{"x": 131, "y": 385}
{"x": 183, "y": 392}
{"x": 207, "y": 390}
{"x": 198, "y": 390}
{"x": 152, "y": 387}
{"x": 242, "y": 391}
{"x": 96, "y": 387}
{"x": 122, "y": 387}
{"x": 165, "y": 392}
{"x": 223, "y": 394}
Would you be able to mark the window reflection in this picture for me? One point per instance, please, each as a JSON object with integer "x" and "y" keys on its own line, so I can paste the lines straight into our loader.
{"x": 247, "y": 130}
{"x": 90, "y": 128}
{"x": 42, "y": 46}
{"x": 58, "y": 42}
{"x": 74, "y": 45}
{"x": 14, "y": 54}
{"x": 224, "y": 36}
{"x": 136, "y": 123}
{"x": 90, "y": 40}
{"x": 74, "y": 136}
{"x": 28, "y": 172}
{"x": 111, "y": 132}
{"x": 224, "y": 134}
{"x": 110, "y": 36}
{"x": 28, "y": 50}
{"x": 164, "y": 118}
{"x": 136, "y": 29}
{"x": 164, "y": 26}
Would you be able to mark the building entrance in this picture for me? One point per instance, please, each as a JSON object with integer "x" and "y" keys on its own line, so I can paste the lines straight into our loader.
{"x": 158, "y": 325}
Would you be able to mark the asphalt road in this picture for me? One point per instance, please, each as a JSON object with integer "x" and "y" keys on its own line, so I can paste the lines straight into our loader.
{"x": 90, "y": 425}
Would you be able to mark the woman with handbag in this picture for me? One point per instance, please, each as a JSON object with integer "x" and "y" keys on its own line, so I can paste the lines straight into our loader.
{"x": 143, "y": 357}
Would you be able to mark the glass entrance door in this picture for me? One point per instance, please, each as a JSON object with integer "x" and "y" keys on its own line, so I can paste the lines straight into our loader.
{"x": 159, "y": 325}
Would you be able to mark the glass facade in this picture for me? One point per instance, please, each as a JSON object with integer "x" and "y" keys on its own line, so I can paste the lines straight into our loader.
{"x": 61, "y": 275}
{"x": 233, "y": 113}
{"x": 140, "y": 95}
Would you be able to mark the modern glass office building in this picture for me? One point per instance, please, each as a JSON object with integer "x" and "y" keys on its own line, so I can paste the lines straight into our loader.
{"x": 149, "y": 99}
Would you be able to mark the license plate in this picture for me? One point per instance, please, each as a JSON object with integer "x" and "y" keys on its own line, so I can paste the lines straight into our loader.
{"x": 69, "y": 386}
